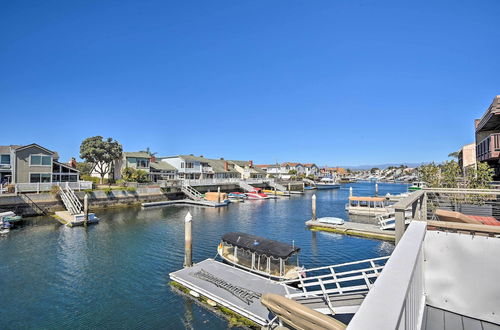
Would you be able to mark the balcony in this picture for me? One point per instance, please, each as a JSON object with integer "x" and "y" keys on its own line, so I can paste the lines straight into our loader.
{"x": 207, "y": 169}
{"x": 488, "y": 148}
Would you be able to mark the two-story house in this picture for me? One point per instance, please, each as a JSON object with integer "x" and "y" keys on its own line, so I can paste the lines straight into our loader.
{"x": 247, "y": 170}
{"x": 488, "y": 137}
{"x": 33, "y": 164}
{"x": 199, "y": 167}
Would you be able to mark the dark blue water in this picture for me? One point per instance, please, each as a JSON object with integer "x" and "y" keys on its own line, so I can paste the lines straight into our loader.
{"x": 115, "y": 275}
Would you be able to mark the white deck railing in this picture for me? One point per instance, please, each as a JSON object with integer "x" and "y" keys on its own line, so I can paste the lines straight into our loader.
{"x": 209, "y": 182}
{"x": 397, "y": 299}
{"x": 47, "y": 186}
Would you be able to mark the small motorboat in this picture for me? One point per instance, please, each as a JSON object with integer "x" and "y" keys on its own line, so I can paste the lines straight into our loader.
{"x": 236, "y": 195}
{"x": 327, "y": 183}
{"x": 416, "y": 186}
{"x": 276, "y": 260}
{"x": 331, "y": 220}
{"x": 256, "y": 194}
{"x": 9, "y": 216}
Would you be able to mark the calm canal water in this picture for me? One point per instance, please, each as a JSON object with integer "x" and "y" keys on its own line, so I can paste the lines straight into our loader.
{"x": 115, "y": 275}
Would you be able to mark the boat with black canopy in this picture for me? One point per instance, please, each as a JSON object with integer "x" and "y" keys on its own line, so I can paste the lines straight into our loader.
{"x": 266, "y": 257}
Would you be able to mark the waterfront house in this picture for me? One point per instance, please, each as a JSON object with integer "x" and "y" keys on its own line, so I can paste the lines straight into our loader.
{"x": 161, "y": 171}
{"x": 488, "y": 137}
{"x": 311, "y": 169}
{"x": 247, "y": 170}
{"x": 138, "y": 160}
{"x": 198, "y": 167}
{"x": 33, "y": 163}
{"x": 282, "y": 170}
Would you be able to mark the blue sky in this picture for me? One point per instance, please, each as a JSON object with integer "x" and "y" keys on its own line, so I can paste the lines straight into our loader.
{"x": 331, "y": 82}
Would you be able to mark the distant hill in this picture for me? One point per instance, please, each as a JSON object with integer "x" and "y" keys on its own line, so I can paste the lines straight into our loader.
{"x": 381, "y": 166}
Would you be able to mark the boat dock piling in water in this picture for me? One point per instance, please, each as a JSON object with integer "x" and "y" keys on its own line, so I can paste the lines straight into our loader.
{"x": 313, "y": 207}
{"x": 188, "y": 242}
{"x": 86, "y": 208}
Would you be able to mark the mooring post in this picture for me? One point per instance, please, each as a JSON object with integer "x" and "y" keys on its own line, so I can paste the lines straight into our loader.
{"x": 218, "y": 195}
{"x": 289, "y": 187}
{"x": 314, "y": 218}
{"x": 350, "y": 191}
{"x": 275, "y": 193}
{"x": 86, "y": 208}
{"x": 188, "y": 243}
{"x": 303, "y": 186}
{"x": 376, "y": 189}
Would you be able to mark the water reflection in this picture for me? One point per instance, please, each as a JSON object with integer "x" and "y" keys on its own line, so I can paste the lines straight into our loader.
{"x": 115, "y": 274}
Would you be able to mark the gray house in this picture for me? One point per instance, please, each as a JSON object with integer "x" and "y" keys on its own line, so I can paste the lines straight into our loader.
{"x": 33, "y": 164}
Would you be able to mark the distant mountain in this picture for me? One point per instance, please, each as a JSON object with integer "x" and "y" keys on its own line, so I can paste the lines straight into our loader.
{"x": 381, "y": 166}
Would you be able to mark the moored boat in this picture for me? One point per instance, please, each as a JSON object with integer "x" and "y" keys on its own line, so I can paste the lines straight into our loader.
{"x": 262, "y": 256}
{"x": 416, "y": 186}
{"x": 256, "y": 194}
{"x": 327, "y": 183}
{"x": 331, "y": 220}
{"x": 368, "y": 206}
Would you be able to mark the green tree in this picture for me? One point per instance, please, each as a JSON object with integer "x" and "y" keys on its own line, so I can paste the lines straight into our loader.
{"x": 141, "y": 176}
{"x": 100, "y": 153}
{"x": 84, "y": 168}
{"x": 292, "y": 172}
{"x": 454, "y": 154}
{"x": 480, "y": 177}
{"x": 451, "y": 174}
{"x": 374, "y": 170}
{"x": 430, "y": 174}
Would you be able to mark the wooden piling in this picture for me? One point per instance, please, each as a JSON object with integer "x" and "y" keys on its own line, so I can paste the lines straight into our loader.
{"x": 218, "y": 195}
{"x": 86, "y": 208}
{"x": 313, "y": 200}
{"x": 188, "y": 243}
{"x": 350, "y": 191}
{"x": 376, "y": 189}
{"x": 289, "y": 187}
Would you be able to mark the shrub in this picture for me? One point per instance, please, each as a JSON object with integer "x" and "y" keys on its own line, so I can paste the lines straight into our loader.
{"x": 93, "y": 179}
{"x": 108, "y": 191}
{"x": 131, "y": 189}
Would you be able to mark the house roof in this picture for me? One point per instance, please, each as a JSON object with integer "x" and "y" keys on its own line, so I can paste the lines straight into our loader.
{"x": 162, "y": 166}
{"x": 137, "y": 154}
{"x": 309, "y": 165}
{"x": 6, "y": 149}
{"x": 243, "y": 163}
{"x": 216, "y": 164}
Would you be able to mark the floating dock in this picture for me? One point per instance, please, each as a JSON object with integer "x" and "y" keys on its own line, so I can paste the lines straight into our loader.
{"x": 354, "y": 229}
{"x": 71, "y": 220}
{"x": 231, "y": 287}
{"x": 185, "y": 201}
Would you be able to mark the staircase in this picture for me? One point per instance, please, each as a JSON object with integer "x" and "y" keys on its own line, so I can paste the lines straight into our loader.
{"x": 191, "y": 192}
{"x": 278, "y": 186}
{"x": 245, "y": 186}
{"x": 70, "y": 200}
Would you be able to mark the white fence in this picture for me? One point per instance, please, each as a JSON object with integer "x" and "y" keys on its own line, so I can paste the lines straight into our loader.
{"x": 210, "y": 182}
{"x": 47, "y": 186}
{"x": 397, "y": 299}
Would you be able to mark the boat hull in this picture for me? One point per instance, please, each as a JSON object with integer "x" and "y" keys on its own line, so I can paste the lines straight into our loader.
{"x": 327, "y": 186}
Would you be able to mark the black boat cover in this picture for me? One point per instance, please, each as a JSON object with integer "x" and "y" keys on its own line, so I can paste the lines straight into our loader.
{"x": 260, "y": 245}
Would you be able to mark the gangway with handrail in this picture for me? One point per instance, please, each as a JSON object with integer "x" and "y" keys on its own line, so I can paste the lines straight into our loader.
{"x": 336, "y": 289}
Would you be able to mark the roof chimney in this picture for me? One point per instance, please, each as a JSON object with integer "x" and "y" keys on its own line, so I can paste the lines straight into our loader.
{"x": 226, "y": 166}
{"x": 250, "y": 163}
{"x": 72, "y": 162}
{"x": 222, "y": 158}
{"x": 153, "y": 159}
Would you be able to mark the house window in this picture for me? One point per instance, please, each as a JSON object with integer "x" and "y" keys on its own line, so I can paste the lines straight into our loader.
{"x": 189, "y": 165}
{"x": 40, "y": 177}
{"x": 142, "y": 163}
{"x": 182, "y": 165}
{"x": 5, "y": 159}
{"x": 40, "y": 160}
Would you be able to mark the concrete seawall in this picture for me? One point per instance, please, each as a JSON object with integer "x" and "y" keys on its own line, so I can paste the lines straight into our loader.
{"x": 32, "y": 204}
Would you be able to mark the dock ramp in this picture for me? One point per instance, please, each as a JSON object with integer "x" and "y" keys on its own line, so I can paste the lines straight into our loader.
{"x": 191, "y": 192}
{"x": 245, "y": 186}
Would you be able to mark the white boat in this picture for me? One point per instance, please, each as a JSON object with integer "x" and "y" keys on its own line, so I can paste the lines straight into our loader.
{"x": 368, "y": 206}
{"x": 331, "y": 220}
{"x": 327, "y": 183}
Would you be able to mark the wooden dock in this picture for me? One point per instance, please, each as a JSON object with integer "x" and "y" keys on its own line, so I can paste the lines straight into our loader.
{"x": 186, "y": 202}
{"x": 72, "y": 220}
{"x": 231, "y": 287}
{"x": 354, "y": 229}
